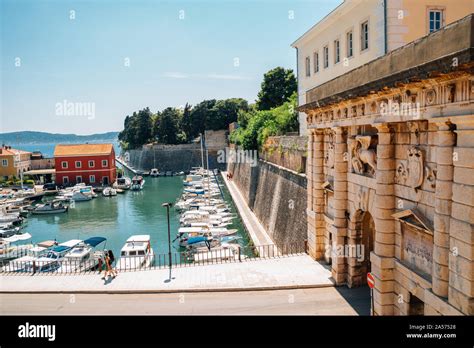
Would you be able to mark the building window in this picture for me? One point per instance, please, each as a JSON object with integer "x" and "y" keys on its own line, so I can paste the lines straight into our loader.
{"x": 307, "y": 67}
{"x": 5, "y": 162}
{"x": 436, "y": 20}
{"x": 65, "y": 180}
{"x": 316, "y": 62}
{"x": 64, "y": 164}
{"x": 350, "y": 44}
{"x": 105, "y": 163}
{"x": 92, "y": 179}
{"x": 78, "y": 179}
{"x": 91, "y": 164}
{"x": 78, "y": 164}
{"x": 326, "y": 56}
{"x": 364, "y": 36}
{"x": 337, "y": 51}
{"x": 105, "y": 180}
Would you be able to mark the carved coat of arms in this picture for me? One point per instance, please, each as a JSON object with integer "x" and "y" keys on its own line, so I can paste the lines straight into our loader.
{"x": 415, "y": 168}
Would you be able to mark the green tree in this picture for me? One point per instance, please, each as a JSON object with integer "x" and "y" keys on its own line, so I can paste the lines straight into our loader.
{"x": 277, "y": 86}
{"x": 167, "y": 127}
{"x": 137, "y": 130}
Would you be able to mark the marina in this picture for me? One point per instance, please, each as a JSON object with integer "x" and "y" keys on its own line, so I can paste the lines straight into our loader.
{"x": 79, "y": 213}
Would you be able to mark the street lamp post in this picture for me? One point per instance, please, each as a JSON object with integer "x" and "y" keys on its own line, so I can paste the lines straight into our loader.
{"x": 168, "y": 205}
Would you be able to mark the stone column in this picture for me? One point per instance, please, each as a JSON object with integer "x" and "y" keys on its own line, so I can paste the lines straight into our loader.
{"x": 316, "y": 210}
{"x": 339, "y": 230}
{"x": 382, "y": 258}
{"x": 443, "y": 203}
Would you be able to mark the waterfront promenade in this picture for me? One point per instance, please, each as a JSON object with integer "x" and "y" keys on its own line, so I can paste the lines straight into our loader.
{"x": 256, "y": 231}
{"x": 287, "y": 272}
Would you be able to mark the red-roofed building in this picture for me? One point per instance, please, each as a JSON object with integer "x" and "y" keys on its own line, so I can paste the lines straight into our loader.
{"x": 93, "y": 164}
{"x": 13, "y": 162}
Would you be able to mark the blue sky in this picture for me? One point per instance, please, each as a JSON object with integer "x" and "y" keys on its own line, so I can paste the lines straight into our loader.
{"x": 178, "y": 52}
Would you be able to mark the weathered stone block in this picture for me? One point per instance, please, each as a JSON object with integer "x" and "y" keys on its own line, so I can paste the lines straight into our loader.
{"x": 464, "y": 175}
{"x": 462, "y": 230}
{"x": 460, "y": 301}
{"x": 463, "y": 157}
{"x": 463, "y": 194}
{"x": 461, "y": 248}
{"x": 461, "y": 284}
{"x": 462, "y": 212}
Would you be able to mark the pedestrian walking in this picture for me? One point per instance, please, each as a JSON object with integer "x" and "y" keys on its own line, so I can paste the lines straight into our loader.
{"x": 112, "y": 270}
{"x": 106, "y": 265}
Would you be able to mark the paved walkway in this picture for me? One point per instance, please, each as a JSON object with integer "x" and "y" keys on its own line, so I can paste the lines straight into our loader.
{"x": 255, "y": 229}
{"x": 298, "y": 271}
{"x": 319, "y": 301}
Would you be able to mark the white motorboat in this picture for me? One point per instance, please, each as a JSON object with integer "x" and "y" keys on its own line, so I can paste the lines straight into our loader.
{"x": 30, "y": 254}
{"x": 123, "y": 183}
{"x": 6, "y": 217}
{"x": 224, "y": 252}
{"x": 50, "y": 208}
{"x": 109, "y": 192}
{"x": 82, "y": 257}
{"x": 154, "y": 172}
{"x": 79, "y": 196}
{"x": 87, "y": 190}
{"x": 10, "y": 250}
{"x": 136, "y": 253}
{"x": 137, "y": 183}
{"x": 52, "y": 260}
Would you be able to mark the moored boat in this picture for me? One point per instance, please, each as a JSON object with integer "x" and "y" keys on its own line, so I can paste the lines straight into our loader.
{"x": 136, "y": 253}
{"x": 123, "y": 183}
{"x": 50, "y": 208}
{"x": 137, "y": 183}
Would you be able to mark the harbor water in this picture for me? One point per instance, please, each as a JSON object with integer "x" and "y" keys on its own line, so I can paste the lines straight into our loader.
{"x": 117, "y": 218}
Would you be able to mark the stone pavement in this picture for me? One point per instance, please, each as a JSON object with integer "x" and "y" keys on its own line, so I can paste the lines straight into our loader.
{"x": 288, "y": 272}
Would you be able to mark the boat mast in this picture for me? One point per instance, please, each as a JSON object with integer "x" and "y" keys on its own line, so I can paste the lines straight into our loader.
{"x": 202, "y": 153}
{"x": 208, "y": 179}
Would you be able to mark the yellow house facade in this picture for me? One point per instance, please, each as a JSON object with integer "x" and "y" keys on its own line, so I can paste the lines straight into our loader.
{"x": 13, "y": 162}
{"x": 360, "y": 31}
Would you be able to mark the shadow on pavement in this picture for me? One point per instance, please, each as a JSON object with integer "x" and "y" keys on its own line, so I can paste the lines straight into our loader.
{"x": 358, "y": 298}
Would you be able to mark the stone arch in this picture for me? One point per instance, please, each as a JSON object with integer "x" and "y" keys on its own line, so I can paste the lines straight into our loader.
{"x": 362, "y": 239}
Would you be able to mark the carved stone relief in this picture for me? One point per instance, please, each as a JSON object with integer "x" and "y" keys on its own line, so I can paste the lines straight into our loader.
{"x": 415, "y": 168}
{"x": 329, "y": 156}
{"x": 401, "y": 174}
{"x": 431, "y": 176}
{"x": 430, "y": 97}
{"x": 362, "y": 155}
{"x": 361, "y": 198}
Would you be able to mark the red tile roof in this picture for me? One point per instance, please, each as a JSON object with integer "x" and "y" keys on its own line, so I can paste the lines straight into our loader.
{"x": 82, "y": 149}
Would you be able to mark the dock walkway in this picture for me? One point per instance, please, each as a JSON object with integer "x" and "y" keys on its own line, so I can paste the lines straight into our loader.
{"x": 257, "y": 232}
{"x": 123, "y": 163}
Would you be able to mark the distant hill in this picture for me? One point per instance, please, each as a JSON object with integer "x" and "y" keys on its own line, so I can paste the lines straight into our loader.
{"x": 29, "y": 137}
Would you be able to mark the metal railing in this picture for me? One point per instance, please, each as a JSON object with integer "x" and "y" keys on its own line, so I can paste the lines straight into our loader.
{"x": 188, "y": 258}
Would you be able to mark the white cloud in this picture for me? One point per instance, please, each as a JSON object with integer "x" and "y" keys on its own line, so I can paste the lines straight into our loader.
{"x": 176, "y": 75}
{"x": 213, "y": 76}
{"x": 227, "y": 77}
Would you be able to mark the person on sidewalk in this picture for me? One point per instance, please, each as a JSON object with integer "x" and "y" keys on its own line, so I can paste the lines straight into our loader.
{"x": 106, "y": 265}
{"x": 112, "y": 271}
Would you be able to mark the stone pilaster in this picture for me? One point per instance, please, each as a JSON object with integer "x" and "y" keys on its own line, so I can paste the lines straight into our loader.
{"x": 443, "y": 205}
{"x": 316, "y": 195}
{"x": 461, "y": 232}
{"x": 384, "y": 207}
{"x": 339, "y": 230}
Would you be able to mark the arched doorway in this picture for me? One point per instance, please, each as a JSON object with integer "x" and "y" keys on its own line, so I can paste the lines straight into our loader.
{"x": 367, "y": 227}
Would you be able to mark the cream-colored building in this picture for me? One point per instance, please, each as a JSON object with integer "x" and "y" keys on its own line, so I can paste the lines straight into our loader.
{"x": 359, "y": 31}
{"x": 390, "y": 173}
